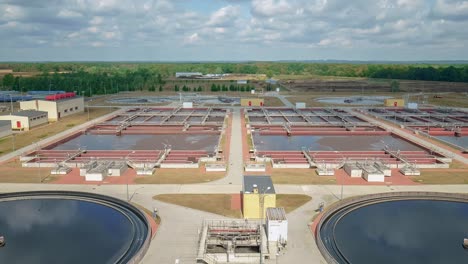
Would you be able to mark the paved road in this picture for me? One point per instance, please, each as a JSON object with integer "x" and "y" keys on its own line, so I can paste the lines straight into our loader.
{"x": 405, "y": 134}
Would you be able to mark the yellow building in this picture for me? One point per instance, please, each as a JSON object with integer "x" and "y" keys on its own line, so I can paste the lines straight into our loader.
{"x": 25, "y": 120}
{"x": 258, "y": 195}
{"x": 394, "y": 102}
{"x": 56, "y": 109}
{"x": 252, "y": 102}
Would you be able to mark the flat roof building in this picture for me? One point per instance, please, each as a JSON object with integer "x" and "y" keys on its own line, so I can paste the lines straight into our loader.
{"x": 25, "y": 120}
{"x": 188, "y": 74}
{"x": 252, "y": 102}
{"x": 258, "y": 194}
{"x": 5, "y": 128}
{"x": 56, "y": 108}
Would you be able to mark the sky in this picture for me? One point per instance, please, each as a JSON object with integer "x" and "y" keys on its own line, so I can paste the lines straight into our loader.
{"x": 233, "y": 30}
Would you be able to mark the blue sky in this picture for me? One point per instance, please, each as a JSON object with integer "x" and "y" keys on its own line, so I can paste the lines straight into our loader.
{"x": 191, "y": 30}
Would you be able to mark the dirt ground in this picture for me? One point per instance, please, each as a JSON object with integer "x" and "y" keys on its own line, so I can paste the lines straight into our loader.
{"x": 182, "y": 176}
{"x": 300, "y": 176}
{"x": 22, "y": 139}
{"x": 335, "y": 84}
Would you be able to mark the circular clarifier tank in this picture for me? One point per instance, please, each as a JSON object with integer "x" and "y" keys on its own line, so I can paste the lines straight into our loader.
{"x": 395, "y": 228}
{"x": 70, "y": 227}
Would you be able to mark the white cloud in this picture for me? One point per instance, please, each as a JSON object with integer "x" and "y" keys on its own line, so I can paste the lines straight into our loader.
{"x": 65, "y": 13}
{"x": 268, "y": 25}
{"x": 223, "y": 16}
{"x": 270, "y": 7}
{"x": 451, "y": 10}
{"x": 192, "y": 39}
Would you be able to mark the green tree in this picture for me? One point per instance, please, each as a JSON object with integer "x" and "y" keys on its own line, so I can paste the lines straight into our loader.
{"x": 394, "y": 86}
{"x": 8, "y": 80}
{"x": 176, "y": 88}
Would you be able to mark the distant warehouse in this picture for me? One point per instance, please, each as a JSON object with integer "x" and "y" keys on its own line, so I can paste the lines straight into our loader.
{"x": 188, "y": 74}
{"x": 5, "y": 128}
{"x": 25, "y": 120}
{"x": 57, "y": 105}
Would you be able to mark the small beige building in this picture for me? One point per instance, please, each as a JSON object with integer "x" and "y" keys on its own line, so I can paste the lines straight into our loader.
{"x": 56, "y": 109}
{"x": 5, "y": 128}
{"x": 394, "y": 102}
{"x": 25, "y": 120}
{"x": 252, "y": 102}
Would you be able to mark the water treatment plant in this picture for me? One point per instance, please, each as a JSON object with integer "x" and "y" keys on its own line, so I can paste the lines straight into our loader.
{"x": 138, "y": 151}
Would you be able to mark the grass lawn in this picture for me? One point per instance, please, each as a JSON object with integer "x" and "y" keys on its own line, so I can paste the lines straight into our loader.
{"x": 221, "y": 203}
{"x": 213, "y": 203}
{"x": 272, "y": 101}
{"x": 300, "y": 176}
{"x": 290, "y": 202}
{"x": 12, "y": 172}
{"x": 442, "y": 177}
{"x": 179, "y": 176}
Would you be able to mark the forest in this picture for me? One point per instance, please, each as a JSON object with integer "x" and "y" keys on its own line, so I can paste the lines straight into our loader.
{"x": 110, "y": 77}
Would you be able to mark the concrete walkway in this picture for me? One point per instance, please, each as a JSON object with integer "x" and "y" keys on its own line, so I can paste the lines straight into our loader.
{"x": 405, "y": 134}
{"x": 235, "y": 166}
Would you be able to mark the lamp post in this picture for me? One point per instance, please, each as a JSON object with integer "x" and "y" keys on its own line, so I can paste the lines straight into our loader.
{"x": 126, "y": 159}
{"x": 11, "y": 104}
{"x": 262, "y": 202}
{"x": 262, "y": 215}
{"x": 13, "y": 141}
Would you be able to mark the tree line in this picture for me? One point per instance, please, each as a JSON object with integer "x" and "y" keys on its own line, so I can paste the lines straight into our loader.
{"x": 111, "y": 77}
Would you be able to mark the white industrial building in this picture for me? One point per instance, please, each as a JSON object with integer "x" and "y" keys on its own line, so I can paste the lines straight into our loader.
{"x": 277, "y": 225}
{"x": 25, "y": 120}
{"x": 188, "y": 74}
{"x": 5, "y": 128}
{"x": 56, "y": 108}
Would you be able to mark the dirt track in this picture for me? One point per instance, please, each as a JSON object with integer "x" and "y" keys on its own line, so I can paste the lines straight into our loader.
{"x": 372, "y": 85}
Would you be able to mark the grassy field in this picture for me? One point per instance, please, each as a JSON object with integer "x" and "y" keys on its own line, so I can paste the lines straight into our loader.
{"x": 300, "y": 176}
{"x": 221, "y": 203}
{"x": 290, "y": 202}
{"x": 450, "y": 100}
{"x": 175, "y": 176}
{"x": 12, "y": 172}
{"x": 213, "y": 203}
{"x": 26, "y": 138}
{"x": 442, "y": 177}
{"x": 272, "y": 101}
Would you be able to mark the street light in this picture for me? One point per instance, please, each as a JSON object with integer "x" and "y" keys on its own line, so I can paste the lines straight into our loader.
{"x": 262, "y": 201}
{"x": 13, "y": 140}
{"x": 126, "y": 159}
{"x": 262, "y": 215}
